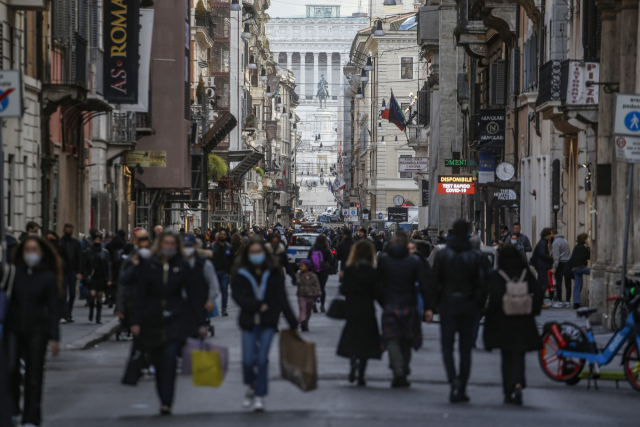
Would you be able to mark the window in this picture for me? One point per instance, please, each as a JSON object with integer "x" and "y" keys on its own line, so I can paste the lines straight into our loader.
{"x": 405, "y": 174}
{"x": 406, "y": 68}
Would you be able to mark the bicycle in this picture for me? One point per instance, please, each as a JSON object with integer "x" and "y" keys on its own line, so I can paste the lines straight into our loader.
{"x": 619, "y": 312}
{"x": 567, "y": 347}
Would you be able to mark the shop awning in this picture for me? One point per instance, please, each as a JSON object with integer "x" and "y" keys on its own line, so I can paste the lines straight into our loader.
{"x": 248, "y": 161}
{"x": 219, "y": 131}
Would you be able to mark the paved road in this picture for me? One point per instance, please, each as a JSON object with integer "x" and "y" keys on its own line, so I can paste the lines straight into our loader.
{"x": 82, "y": 389}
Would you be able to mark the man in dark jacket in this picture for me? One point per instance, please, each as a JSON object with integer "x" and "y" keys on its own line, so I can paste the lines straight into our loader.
{"x": 115, "y": 247}
{"x": 73, "y": 249}
{"x": 401, "y": 327}
{"x": 458, "y": 290}
{"x": 97, "y": 273}
{"x": 542, "y": 260}
{"x": 579, "y": 264}
{"x": 344, "y": 249}
{"x": 222, "y": 261}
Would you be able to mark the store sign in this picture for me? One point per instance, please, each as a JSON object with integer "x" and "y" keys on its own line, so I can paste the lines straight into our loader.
{"x": 456, "y": 184}
{"x": 413, "y": 164}
{"x": 455, "y": 162}
{"x": 425, "y": 193}
{"x": 500, "y": 194}
{"x": 398, "y": 214}
{"x": 486, "y": 168}
{"x": 579, "y": 74}
{"x": 121, "y": 28}
{"x": 490, "y": 127}
{"x": 146, "y": 159}
{"x": 10, "y": 93}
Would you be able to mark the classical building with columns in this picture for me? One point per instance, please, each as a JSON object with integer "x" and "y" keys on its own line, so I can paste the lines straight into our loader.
{"x": 312, "y": 47}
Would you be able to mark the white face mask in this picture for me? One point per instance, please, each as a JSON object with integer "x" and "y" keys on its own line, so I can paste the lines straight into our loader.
{"x": 145, "y": 253}
{"x": 32, "y": 259}
{"x": 189, "y": 251}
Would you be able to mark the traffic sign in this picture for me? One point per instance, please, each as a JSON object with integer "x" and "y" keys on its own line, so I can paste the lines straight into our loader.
{"x": 628, "y": 149}
{"x": 379, "y": 215}
{"x": 10, "y": 94}
{"x": 627, "y": 118}
{"x": 353, "y": 211}
{"x": 345, "y": 213}
{"x": 365, "y": 216}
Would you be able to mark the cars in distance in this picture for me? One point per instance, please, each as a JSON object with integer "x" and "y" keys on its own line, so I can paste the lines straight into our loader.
{"x": 334, "y": 218}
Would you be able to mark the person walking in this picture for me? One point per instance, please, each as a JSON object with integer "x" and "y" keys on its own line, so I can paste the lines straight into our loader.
{"x": 31, "y": 323}
{"x": 222, "y": 261}
{"x": 522, "y": 239}
{"x": 73, "y": 250}
{"x": 401, "y": 328}
{"x": 203, "y": 274}
{"x": 97, "y": 274}
{"x": 561, "y": 252}
{"x": 130, "y": 277}
{"x": 166, "y": 301}
{"x": 258, "y": 288}
{"x": 279, "y": 254}
{"x": 360, "y": 339}
{"x": 308, "y": 290}
{"x": 343, "y": 250}
{"x": 542, "y": 260}
{"x": 322, "y": 258}
{"x": 458, "y": 290}
{"x": 579, "y": 262}
{"x": 514, "y": 335}
{"x": 115, "y": 247}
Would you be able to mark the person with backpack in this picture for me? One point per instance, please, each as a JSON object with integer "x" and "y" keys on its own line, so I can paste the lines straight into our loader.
{"x": 322, "y": 259}
{"x": 515, "y": 299}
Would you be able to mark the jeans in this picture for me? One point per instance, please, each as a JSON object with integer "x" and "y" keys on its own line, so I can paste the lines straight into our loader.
{"x": 223, "y": 278}
{"x": 323, "y": 276}
{"x": 165, "y": 360}
{"x": 563, "y": 275}
{"x": 512, "y": 370}
{"x": 32, "y": 349}
{"x": 457, "y": 316}
{"x": 577, "y": 274}
{"x": 70, "y": 292}
{"x": 255, "y": 356}
{"x": 399, "y": 356}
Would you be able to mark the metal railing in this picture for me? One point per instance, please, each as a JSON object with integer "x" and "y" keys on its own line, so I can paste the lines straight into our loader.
{"x": 66, "y": 62}
{"x": 123, "y": 128}
{"x": 206, "y": 21}
{"x": 549, "y": 85}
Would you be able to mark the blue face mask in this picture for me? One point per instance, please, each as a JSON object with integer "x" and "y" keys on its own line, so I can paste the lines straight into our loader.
{"x": 257, "y": 259}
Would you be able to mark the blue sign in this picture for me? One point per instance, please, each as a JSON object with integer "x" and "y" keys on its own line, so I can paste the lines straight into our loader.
{"x": 632, "y": 121}
{"x": 487, "y": 162}
{"x": 380, "y": 215}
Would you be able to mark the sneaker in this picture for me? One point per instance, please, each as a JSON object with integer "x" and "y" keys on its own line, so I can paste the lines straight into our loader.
{"x": 258, "y": 404}
{"x": 545, "y": 306}
{"x": 248, "y": 397}
{"x": 63, "y": 321}
{"x": 567, "y": 304}
{"x": 517, "y": 395}
{"x": 224, "y": 313}
{"x": 558, "y": 304}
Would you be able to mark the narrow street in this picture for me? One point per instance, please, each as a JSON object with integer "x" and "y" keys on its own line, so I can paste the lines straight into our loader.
{"x": 82, "y": 388}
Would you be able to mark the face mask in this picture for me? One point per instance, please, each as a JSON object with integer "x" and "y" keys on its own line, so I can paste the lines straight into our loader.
{"x": 169, "y": 253}
{"x": 257, "y": 259}
{"x": 189, "y": 251}
{"x": 32, "y": 259}
{"x": 514, "y": 242}
{"x": 145, "y": 253}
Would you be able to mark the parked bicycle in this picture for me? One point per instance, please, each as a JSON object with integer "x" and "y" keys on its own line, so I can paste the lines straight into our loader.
{"x": 619, "y": 313}
{"x": 567, "y": 347}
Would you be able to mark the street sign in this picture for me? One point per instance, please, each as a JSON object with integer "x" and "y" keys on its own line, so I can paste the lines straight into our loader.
{"x": 425, "y": 193}
{"x": 379, "y": 215}
{"x": 353, "y": 212}
{"x": 413, "y": 164}
{"x": 398, "y": 214}
{"x": 627, "y": 118}
{"x": 345, "y": 213}
{"x": 486, "y": 168}
{"x": 628, "y": 149}
{"x": 10, "y": 94}
{"x": 365, "y": 216}
{"x": 456, "y": 184}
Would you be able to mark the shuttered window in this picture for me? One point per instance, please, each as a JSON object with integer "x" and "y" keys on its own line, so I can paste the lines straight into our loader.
{"x": 497, "y": 76}
{"x": 94, "y": 15}
{"x": 424, "y": 110}
{"x": 591, "y": 30}
{"x": 515, "y": 72}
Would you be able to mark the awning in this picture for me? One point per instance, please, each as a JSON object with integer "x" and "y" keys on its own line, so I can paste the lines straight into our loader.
{"x": 250, "y": 159}
{"x": 219, "y": 131}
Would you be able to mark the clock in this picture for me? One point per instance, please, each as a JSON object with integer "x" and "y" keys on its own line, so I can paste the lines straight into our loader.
{"x": 398, "y": 200}
{"x": 505, "y": 171}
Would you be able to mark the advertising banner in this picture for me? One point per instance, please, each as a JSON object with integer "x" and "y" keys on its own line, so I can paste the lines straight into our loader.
{"x": 501, "y": 194}
{"x": 398, "y": 214}
{"x": 486, "y": 168}
{"x": 425, "y": 193}
{"x": 120, "y": 29}
{"x": 456, "y": 184}
{"x": 490, "y": 127}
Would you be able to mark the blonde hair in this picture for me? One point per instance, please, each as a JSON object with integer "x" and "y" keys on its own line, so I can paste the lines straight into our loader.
{"x": 362, "y": 250}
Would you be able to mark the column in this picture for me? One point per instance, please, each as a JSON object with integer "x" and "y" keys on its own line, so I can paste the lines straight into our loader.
{"x": 316, "y": 78}
{"x": 330, "y": 72}
{"x": 289, "y": 61}
{"x": 303, "y": 70}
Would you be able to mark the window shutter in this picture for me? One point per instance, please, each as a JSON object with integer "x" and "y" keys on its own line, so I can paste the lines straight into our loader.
{"x": 83, "y": 25}
{"x": 493, "y": 82}
{"x": 95, "y": 24}
{"x": 525, "y": 67}
{"x": 515, "y": 72}
{"x": 501, "y": 70}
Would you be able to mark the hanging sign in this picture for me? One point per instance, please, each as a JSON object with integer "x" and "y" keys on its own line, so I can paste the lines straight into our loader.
{"x": 425, "y": 193}
{"x": 501, "y": 194}
{"x": 413, "y": 164}
{"x": 486, "y": 168}
{"x": 120, "y": 29}
{"x": 398, "y": 214}
{"x": 456, "y": 184}
{"x": 490, "y": 127}
{"x": 10, "y": 93}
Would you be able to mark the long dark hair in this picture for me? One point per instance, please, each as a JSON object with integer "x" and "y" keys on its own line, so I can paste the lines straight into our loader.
{"x": 509, "y": 257}
{"x": 321, "y": 240}
{"x": 362, "y": 251}
{"x": 242, "y": 261}
{"x": 50, "y": 259}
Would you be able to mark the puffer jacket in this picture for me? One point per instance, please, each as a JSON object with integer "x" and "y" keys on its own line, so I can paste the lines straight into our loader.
{"x": 399, "y": 271}
{"x": 308, "y": 284}
{"x": 458, "y": 269}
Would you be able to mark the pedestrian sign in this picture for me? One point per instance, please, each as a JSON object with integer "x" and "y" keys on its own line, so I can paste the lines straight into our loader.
{"x": 365, "y": 216}
{"x": 627, "y": 149}
{"x": 627, "y": 118}
{"x": 10, "y": 94}
{"x": 379, "y": 215}
{"x": 353, "y": 211}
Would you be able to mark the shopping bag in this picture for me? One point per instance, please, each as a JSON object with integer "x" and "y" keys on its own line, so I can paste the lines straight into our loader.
{"x": 298, "y": 360}
{"x": 135, "y": 364}
{"x": 206, "y": 345}
{"x": 207, "y": 368}
{"x": 215, "y": 312}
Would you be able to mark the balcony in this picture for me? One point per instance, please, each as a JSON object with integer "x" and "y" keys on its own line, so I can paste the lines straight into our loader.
{"x": 204, "y": 27}
{"x": 66, "y": 73}
{"x": 564, "y": 95}
{"x": 123, "y": 133}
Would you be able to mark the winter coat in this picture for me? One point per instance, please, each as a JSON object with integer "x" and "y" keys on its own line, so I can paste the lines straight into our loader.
{"x": 275, "y": 298}
{"x": 342, "y": 252}
{"x": 74, "y": 253}
{"x": 166, "y": 303}
{"x": 327, "y": 256}
{"x": 280, "y": 256}
{"x": 513, "y": 333}
{"x": 96, "y": 268}
{"x": 308, "y": 284}
{"x": 34, "y": 308}
{"x": 580, "y": 256}
{"x": 458, "y": 269}
{"x": 523, "y": 240}
{"x": 222, "y": 257}
{"x": 541, "y": 258}
{"x": 399, "y": 271}
{"x": 360, "y": 336}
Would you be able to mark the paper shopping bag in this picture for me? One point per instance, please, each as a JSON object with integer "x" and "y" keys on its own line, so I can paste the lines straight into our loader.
{"x": 208, "y": 345}
{"x": 298, "y": 360}
{"x": 206, "y": 368}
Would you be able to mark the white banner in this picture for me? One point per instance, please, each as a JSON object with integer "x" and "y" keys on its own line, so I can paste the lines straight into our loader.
{"x": 413, "y": 164}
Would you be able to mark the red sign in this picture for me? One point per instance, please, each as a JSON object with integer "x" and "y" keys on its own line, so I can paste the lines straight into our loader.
{"x": 456, "y": 184}
{"x": 357, "y": 205}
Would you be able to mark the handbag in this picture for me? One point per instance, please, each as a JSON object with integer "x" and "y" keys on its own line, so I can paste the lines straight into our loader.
{"x": 298, "y": 363}
{"x": 135, "y": 364}
{"x": 195, "y": 344}
{"x": 338, "y": 308}
{"x": 207, "y": 367}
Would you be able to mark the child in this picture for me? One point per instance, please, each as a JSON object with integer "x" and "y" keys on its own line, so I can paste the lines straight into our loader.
{"x": 308, "y": 290}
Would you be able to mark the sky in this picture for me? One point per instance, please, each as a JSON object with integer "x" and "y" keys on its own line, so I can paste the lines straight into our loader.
{"x": 285, "y": 8}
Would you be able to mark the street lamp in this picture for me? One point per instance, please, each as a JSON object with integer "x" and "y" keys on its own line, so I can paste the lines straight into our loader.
{"x": 235, "y": 6}
{"x": 369, "y": 66}
{"x": 359, "y": 95}
{"x": 279, "y": 103}
{"x": 380, "y": 126}
{"x": 363, "y": 77}
{"x": 384, "y": 106}
{"x": 263, "y": 75}
{"x": 268, "y": 94}
{"x": 379, "y": 31}
{"x": 252, "y": 64}
{"x": 246, "y": 34}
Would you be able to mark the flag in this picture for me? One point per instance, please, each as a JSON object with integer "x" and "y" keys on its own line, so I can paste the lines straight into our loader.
{"x": 339, "y": 184}
{"x": 395, "y": 114}
{"x": 385, "y": 112}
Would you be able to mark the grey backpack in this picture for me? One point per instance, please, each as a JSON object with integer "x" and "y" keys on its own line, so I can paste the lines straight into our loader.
{"x": 516, "y": 300}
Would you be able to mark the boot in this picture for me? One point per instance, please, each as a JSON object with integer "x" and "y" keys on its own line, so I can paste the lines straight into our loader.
{"x": 91, "y": 305}
{"x": 517, "y": 394}
{"x": 352, "y": 372}
{"x": 305, "y": 326}
{"x": 361, "y": 369}
{"x": 99, "y": 312}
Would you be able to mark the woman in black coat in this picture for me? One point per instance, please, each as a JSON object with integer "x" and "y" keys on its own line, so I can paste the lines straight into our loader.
{"x": 96, "y": 271}
{"x": 162, "y": 317}
{"x": 32, "y": 321}
{"x": 513, "y": 335}
{"x": 257, "y": 286}
{"x": 360, "y": 338}
{"x": 322, "y": 245}
{"x": 542, "y": 261}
